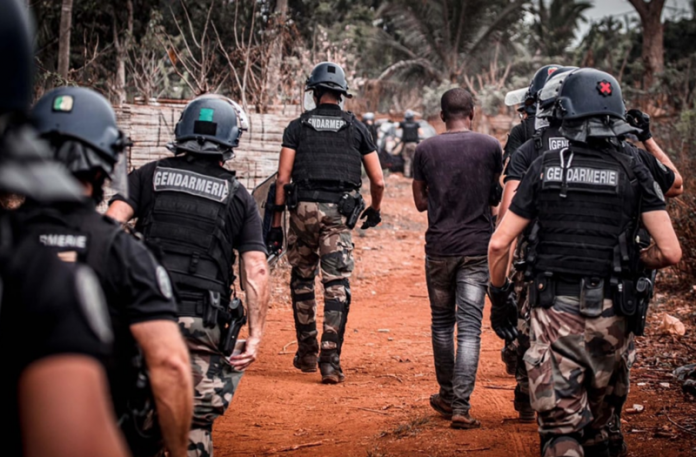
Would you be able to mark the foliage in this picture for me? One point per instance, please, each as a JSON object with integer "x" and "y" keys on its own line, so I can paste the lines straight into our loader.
{"x": 555, "y": 26}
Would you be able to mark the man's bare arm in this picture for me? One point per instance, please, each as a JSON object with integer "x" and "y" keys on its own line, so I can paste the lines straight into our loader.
{"x": 666, "y": 250}
{"x": 373, "y": 168}
{"x": 678, "y": 186}
{"x": 509, "y": 191}
{"x": 65, "y": 410}
{"x": 257, "y": 296}
{"x": 285, "y": 164}
{"x": 170, "y": 378}
{"x": 499, "y": 247}
{"x": 420, "y": 195}
{"x": 120, "y": 211}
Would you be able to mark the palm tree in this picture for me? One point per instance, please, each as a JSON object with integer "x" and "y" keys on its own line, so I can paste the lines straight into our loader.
{"x": 435, "y": 41}
{"x": 555, "y": 25}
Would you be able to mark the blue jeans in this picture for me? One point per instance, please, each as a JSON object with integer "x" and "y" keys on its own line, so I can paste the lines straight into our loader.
{"x": 457, "y": 290}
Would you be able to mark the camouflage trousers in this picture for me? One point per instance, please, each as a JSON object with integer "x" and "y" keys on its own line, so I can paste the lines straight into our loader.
{"x": 319, "y": 239}
{"x": 521, "y": 376}
{"x": 214, "y": 383}
{"x": 407, "y": 154}
{"x": 577, "y": 371}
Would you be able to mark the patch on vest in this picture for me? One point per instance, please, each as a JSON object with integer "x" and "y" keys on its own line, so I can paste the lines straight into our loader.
{"x": 176, "y": 180}
{"x": 163, "y": 282}
{"x": 558, "y": 143}
{"x": 326, "y": 124}
{"x": 93, "y": 304}
{"x": 658, "y": 191}
{"x": 583, "y": 175}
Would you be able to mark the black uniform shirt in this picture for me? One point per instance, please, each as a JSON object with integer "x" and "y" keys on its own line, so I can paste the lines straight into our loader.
{"x": 243, "y": 216}
{"x": 363, "y": 140}
{"x": 523, "y": 158}
{"x": 518, "y": 136}
{"x": 48, "y": 309}
{"x": 524, "y": 204}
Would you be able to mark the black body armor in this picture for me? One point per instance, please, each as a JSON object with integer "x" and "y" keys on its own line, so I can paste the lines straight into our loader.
{"x": 587, "y": 203}
{"x": 410, "y": 132}
{"x": 80, "y": 234}
{"x": 549, "y": 139}
{"x": 327, "y": 157}
{"x": 187, "y": 222}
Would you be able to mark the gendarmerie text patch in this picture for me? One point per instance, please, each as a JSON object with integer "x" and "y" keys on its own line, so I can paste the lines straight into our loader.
{"x": 177, "y": 180}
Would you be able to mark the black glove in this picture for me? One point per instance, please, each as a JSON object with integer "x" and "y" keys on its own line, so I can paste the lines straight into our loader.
{"x": 640, "y": 120}
{"x": 274, "y": 240}
{"x": 373, "y": 218}
{"x": 503, "y": 311}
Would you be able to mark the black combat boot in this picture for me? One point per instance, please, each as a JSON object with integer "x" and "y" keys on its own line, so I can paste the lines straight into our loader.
{"x": 306, "y": 356}
{"x": 523, "y": 406}
{"x": 330, "y": 367}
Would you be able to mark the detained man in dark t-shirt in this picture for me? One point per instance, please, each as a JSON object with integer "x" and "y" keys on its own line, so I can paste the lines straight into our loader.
{"x": 453, "y": 176}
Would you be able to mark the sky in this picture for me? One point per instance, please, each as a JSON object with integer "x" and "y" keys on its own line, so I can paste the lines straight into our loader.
{"x": 620, "y": 8}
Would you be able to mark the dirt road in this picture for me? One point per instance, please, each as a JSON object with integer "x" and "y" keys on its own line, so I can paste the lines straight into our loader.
{"x": 382, "y": 408}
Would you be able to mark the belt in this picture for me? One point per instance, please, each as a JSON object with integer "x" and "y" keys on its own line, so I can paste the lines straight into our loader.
{"x": 319, "y": 196}
{"x": 573, "y": 288}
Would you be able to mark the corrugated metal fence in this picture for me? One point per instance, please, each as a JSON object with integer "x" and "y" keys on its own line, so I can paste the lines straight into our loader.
{"x": 151, "y": 127}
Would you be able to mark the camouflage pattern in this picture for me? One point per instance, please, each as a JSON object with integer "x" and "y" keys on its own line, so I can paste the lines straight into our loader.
{"x": 522, "y": 388}
{"x": 616, "y": 439}
{"x": 318, "y": 238}
{"x": 575, "y": 365}
{"x": 214, "y": 380}
{"x": 407, "y": 154}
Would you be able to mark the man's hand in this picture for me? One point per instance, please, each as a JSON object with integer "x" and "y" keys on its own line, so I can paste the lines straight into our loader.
{"x": 372, "y": 218}
{"x": 242, "y": 361}
{"x": 640, "y": 120}
{"x": 274, "y": 240}
{"x": 503, "y": 311}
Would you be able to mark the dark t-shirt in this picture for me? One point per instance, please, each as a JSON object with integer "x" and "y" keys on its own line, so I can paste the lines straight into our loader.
{"x": 243, "y": 218}
{"x": 523, "y": 158}
{"x": 363, "y": 140}
{"x": 459, "y": 170}
{"x": 526, "y": 200}
{"x": 48, "y": 309}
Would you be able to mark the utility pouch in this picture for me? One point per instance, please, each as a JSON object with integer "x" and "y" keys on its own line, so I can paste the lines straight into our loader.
{"x": 236, "y": 319}
{"x": 625, "y": 298}
{"x": 211, "y": 308}
{"x": 591, "y": 297}
{"x": 351, "y": 206}
{"x": 291, "y": 200}
{"x": 542, "y": 293}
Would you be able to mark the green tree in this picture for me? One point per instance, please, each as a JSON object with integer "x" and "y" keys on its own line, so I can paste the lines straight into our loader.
{"x": 555, "y": 26}
{"x": 437, "y": 41}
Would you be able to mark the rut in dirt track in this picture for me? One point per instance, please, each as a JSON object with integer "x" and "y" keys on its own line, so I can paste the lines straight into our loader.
{"x": 382, "y": 408}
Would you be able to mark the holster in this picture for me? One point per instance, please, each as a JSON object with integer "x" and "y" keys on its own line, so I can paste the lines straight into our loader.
{"x": 644, "y": 289}
{"x": 351, "y": 206}
{"x": 233, "y": 319}
{"x": 211, "y": 309}
{"x": 625, "y": 297}
{"x": 291, "y": 200}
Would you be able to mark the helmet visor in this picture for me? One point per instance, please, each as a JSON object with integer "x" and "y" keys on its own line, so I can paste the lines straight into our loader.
{"x": 118, "y": 180}
{"x": 515, "y": 97}
{"x": 308, "y": 101}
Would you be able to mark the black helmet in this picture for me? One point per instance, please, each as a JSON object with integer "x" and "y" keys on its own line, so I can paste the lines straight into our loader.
{"x": 25, "y": 165}
{"x": 328, "y": 75}
{"x": 547, "y": 96}
{"x": 208, "y": 119}
{"x": 78, "y": 113}
{"x": 540, "y": 77}
{"x": 17, "y": 51}
{"x": 589, "y": 93}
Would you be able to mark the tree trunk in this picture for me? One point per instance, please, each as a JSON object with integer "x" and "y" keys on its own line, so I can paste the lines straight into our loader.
{"x": 64, "y": 38}
{"x": 653, "y": 53}
{"x": 273, "y": 76}
{"x": 122, "y": 45}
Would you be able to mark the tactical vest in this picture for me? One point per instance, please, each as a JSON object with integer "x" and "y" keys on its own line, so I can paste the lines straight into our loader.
{"x": 587, "y": 202}
{"x": 549, "y": 139}
{"x": 410, "y": 132}
{"x": 187, "y": 221}
{"x": 327, "y": 156}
